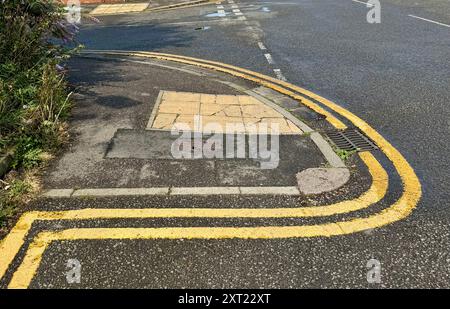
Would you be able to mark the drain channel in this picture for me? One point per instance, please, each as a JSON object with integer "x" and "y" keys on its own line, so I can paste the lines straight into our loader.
{"x": 351, "y": 140}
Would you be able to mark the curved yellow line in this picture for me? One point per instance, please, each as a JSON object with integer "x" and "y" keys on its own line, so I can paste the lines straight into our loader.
{"x": 411, "y": 183}
{"x": 235, "y": 72}
{"x": 12, "y": 243}
{"x": 400, "y": 209}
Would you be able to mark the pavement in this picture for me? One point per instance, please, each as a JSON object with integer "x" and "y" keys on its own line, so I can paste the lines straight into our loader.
{"x": 118, "y": 7}
{"x": 134, "y": 217}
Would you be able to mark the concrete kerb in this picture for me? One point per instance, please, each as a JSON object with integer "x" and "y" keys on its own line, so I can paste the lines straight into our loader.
{"x": 170, "y": 191}
{"x": 155, "y": 110}
{"x": 304, "y": 127}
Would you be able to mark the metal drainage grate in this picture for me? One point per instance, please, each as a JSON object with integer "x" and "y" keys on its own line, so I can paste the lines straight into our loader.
{"x": 351, "y": 140}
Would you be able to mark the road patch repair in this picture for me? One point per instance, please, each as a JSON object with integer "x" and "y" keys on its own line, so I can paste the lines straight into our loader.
{"x": 120, "y": 182}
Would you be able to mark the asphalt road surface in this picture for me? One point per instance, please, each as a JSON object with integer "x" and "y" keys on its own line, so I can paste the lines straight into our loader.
{"x": 395, "y": 75}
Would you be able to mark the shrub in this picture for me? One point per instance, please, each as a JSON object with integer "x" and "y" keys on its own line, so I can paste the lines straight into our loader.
{"x": 33, "y": 93}
{"x": 34, "y": 99}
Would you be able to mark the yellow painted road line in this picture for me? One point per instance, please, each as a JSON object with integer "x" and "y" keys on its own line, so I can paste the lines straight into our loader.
{"x": 412, "y": 188}
{"x": 12, "y": 243}
{"x": 399, "y": 210}
{"x": 225, "y": 68}
{"x": 28, "y": 268}
{"x": 305, "y": 101}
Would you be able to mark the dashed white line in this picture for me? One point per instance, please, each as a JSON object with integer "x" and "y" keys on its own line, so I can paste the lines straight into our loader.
{"x": 261, "y": 46}
{"x": 429, "y": 20}
{"x": 279, "y": 75}
{"x": 221, "y": 11}
{"x": 237, "y": 12}
{"x": 269, "y": 58}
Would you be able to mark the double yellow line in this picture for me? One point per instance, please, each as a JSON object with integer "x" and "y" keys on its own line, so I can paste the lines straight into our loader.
{"x": 400, "y": 209}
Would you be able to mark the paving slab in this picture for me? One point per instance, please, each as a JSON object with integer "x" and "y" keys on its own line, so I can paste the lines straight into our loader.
{"x": 105, "y": 9}
{"x": 218, "y": 113}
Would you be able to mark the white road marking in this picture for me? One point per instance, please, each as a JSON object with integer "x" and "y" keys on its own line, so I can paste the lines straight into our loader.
{"x": 221, "y": 11}
{"x": 367, "y": 4}
{"x": 279, "y": 75}
{"x": 269, "y": 58}
{"x": 237, "y": 12}
{"x": 429, "y": 20}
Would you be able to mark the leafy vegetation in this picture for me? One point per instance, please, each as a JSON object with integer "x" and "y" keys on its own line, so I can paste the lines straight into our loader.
{"x": 344, "y": 154}
{"x": 34, "y": 99}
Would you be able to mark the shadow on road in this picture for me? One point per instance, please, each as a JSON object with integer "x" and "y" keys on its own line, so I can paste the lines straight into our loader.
{"x": 134, "y": 37}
